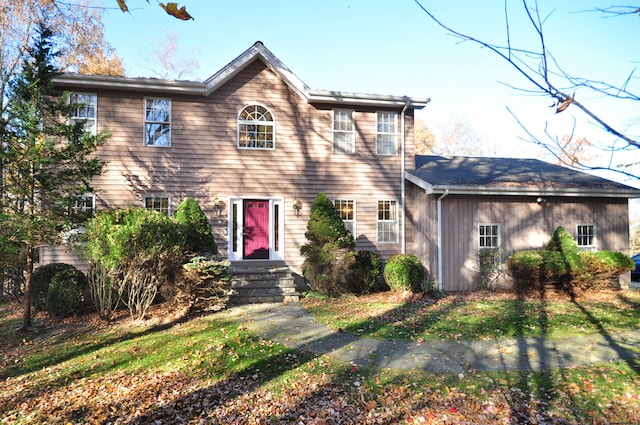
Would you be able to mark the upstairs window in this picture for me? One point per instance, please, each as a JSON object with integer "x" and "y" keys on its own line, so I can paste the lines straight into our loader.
{"x": 344, "y": 137}
{"x": 387, "y": 221}
{"x": 157, "y": 203}
{"x": 256, "y": 128}
{"x": 386, "y": 135}
{"x": 157, "y": 122}
{"x": 347, "y": 213}
{"x": 84, "y": 109}
{"x": 586, "y": 237}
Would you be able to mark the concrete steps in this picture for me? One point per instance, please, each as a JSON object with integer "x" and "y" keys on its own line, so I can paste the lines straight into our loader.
{"x": 262, "y": 282}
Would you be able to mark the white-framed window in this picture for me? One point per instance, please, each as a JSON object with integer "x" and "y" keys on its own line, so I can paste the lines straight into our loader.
{"x": 256, "y": 128}
{"x": 84, "y": 203}
{"x": 489, "y": 236}
{"x": 387, "y": 221}
{"x": 344, "y": 136}
{"x": 346, "y": 208}
{"x": 162, "y": 204}
{"x": 157, "y": 122}
{"x": 386, "y": 133}
{"x": 586, "y": 237}
{"x": 85, "y": 107}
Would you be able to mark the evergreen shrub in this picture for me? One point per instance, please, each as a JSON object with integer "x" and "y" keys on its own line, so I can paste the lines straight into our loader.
{"x": 404, "y": 273}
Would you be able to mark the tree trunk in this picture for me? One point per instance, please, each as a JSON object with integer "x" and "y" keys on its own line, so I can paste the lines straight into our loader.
{"x": 28, "y": 285}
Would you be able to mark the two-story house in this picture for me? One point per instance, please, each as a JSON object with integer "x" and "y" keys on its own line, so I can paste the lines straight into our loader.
{"x": 254, "y": 146}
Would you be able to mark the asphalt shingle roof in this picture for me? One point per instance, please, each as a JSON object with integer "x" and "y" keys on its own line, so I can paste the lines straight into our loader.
{"x": 488, "y": 172}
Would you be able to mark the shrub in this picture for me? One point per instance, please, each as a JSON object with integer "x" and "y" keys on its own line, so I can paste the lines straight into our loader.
{"x": 603, "y": 269}
{"x": 563, "y": 265}
{"x": 404, "y": 273}
{"x": 103, "y": 290}
{"x": 66, "y": 293}
{"x": 59, "y": 289}
{"x": 365, "y": 272}
{"x": 203, "y": 285}
{"x": 142, "y": 249}
{"x": 195, "y": 228}
{"x": 329, "y": 251}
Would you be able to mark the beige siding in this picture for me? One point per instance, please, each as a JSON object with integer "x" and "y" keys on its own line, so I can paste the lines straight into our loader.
{"x": 523, "y": 225}
{"x": 62, "y": 254}
{"x": 204, "y": 161}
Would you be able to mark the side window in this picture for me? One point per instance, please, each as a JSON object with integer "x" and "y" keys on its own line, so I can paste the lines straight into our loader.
{"x": 387, "y": 221}
{"x": 386, "y": 135}
{"x": 344, "y": 137}
{"x": 346, "y": 208}
{"x": 157, "y": 122}
{"x": 489, "y": 236}
{"x": 158, "y": 203}
{"x": 84, "y": 109}
{"x": 586, "y": 237}
{"x": 256, "y": 128}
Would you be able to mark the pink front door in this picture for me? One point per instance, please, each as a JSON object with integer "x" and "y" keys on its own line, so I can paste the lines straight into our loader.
{"x": 256, "y": 229}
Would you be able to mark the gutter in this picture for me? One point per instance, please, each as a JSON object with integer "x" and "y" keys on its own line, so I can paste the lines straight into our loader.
{"x": 403, "y": 166}
{"x": 439, "y": 206}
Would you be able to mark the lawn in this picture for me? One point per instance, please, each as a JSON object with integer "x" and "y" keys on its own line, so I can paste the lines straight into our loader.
{"x": 210, "y": 369}
{"x": 480, "y": 315}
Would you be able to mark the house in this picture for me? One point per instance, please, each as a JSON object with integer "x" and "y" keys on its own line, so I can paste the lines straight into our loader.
{"x": 254, "y": 146}
{"x": 464, "y": 206}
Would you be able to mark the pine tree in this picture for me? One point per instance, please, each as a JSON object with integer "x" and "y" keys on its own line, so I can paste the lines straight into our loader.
{"x": 46, "y": 160}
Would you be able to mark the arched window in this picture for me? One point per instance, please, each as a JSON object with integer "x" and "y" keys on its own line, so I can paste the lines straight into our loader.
{"x": 256, "y": 128}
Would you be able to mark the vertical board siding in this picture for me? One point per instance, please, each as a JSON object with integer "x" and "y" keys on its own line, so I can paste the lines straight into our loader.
{"x": 523, "y": 225}
{"x": 204, "y": 162}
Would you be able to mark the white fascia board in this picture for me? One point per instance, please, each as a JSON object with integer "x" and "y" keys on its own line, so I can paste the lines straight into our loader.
{"x": 533, "y": 191}
{"x": 78, "y": 81}
{"x": 428, "y": 189}
{"x": 257, "y": 51}
{"x": 323, "y": 96}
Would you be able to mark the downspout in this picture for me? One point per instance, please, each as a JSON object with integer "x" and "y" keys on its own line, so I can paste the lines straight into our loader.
{"x": 403, "y": 231}
{"x": 439, "y": 203}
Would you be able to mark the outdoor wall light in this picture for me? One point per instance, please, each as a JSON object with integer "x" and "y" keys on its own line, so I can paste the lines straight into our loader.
{"x": 297, "y": 205}
{"x": 218, "y": 204}
{"x": 541, "y": 201}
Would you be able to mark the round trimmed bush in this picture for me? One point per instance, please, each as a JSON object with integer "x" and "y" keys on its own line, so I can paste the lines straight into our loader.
{"x": 59, "y": 289}
{"x": 404, "y": 273}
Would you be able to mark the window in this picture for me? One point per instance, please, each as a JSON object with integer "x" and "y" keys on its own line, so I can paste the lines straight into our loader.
{"x": 386, "y": 138}
{"x": 157, "y": 203}
{"x": 347, "y": 213}
{"x": 256, "y": 128}
{"x": 489, "y": 236}
{"x": 157, "y": 122}
{"x": 387, "y": 222}
{"x": 586, "y": 237}
{"x": 83, "y": 204}
{"x": 344, "y": 137}
{"x": 84, "y": 109}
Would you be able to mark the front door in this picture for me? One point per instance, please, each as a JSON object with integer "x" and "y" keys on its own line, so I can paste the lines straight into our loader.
{"x": 256, "y": 229}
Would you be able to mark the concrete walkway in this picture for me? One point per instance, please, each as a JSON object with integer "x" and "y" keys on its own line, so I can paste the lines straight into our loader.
{"x": 294, "y": 327}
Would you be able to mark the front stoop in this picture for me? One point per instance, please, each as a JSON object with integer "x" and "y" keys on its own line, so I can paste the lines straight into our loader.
{"x": 262, "y": 283}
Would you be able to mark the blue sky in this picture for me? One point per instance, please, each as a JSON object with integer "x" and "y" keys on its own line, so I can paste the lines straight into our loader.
{"x": 392, "y": 47}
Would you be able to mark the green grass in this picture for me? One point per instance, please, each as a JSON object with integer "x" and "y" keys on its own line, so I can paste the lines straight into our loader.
{"x": 470, "y": 318}
{"x": 212, "y": 369}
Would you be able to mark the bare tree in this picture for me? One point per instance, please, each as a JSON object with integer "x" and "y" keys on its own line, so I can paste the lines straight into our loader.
{"x": 166, "y": 63}
{"x": 547, "y": 77}
{"x": 454, "y": 137}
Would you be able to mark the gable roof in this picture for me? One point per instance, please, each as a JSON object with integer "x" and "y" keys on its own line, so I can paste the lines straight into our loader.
{"x": 256, "y": 52}
{"x": 509, "y": 176}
